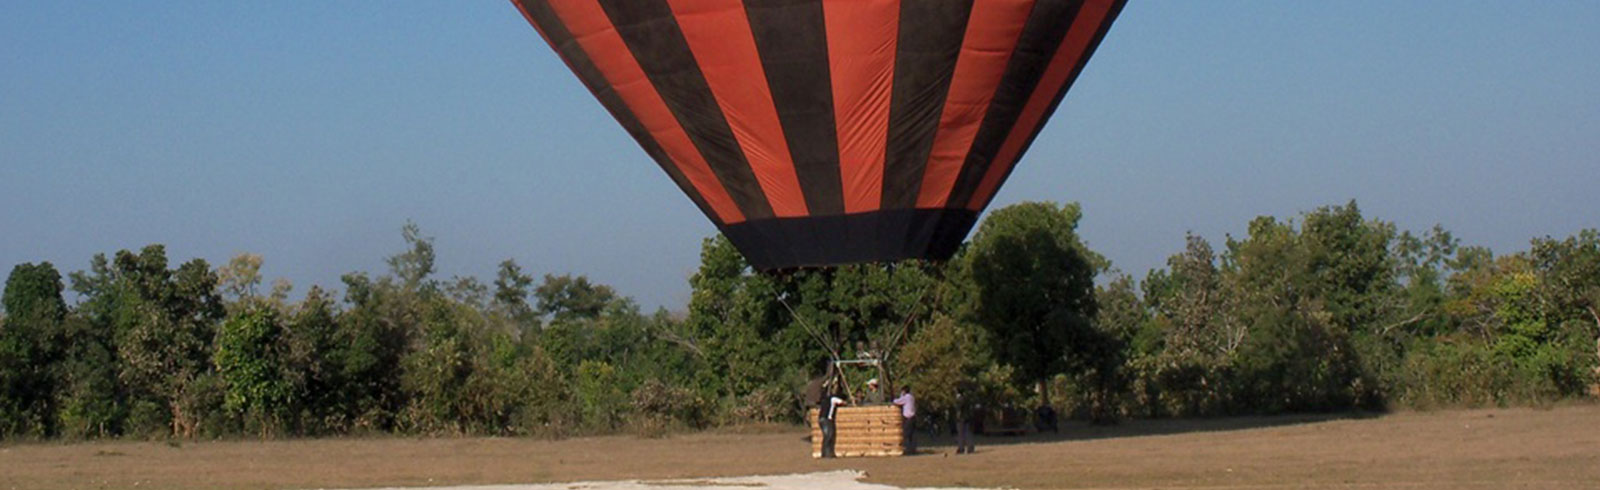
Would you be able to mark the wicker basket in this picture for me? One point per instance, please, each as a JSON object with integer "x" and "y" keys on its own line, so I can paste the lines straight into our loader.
{"x": 863, "y": 431}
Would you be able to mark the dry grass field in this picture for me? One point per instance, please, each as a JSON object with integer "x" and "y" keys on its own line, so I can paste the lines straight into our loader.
{"x": 1495, "y": 448}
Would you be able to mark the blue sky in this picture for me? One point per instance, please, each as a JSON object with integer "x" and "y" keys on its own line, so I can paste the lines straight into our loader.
{"x": 310, "y": 132}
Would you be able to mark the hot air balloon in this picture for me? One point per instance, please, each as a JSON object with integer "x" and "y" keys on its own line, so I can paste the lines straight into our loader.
{"x": 829, "y": 132}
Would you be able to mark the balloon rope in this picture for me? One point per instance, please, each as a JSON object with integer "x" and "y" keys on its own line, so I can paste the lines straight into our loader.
{"x": 826, "y": 342}
{"x": 900, "y": 336}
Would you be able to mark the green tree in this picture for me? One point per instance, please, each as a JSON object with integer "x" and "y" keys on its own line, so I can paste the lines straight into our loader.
{"x": 437, "y": 369}
{"x": 314, "y": 355}
{"x": 1422, "y": 263}
{"x": 731, "y": 324}
{"x": 1123, "y": 320}
{"x": 565, "y": 298}
{"x": 1035, "y": 289}
{"x": 89, "y": 399}
{"x": 414, "y": 266}
{"x": 1350, "y": 265}
{"x": 1299, "y": 296}
{"x": 543, "y": 396}
{"x": 373, "y": 336}
{"x": 1510, "y": 307}
{"x": 601, "y": 400}
{"x": 1192, "y": 307}
{"x": 253, "y": 360}
{"x": 511, "y": 290}
{"x": 94, "y": 402}
{"x": 389, "y": 319}
{"x": 860, "y": 310}
{"x": 31, "y": 345}
{"x": 941, "y": 356}
{"x": 161, "y": 325}
{"x": 512, "y": 389}
{"x": 1569, "y": 271}
{"x": 1193, "y": 336}
{"x": 240, "y": 279}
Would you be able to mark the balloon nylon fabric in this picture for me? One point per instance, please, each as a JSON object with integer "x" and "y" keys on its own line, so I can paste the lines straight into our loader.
{"x": 828, "y": 132}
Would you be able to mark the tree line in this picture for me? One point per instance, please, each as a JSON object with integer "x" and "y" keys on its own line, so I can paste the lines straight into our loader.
{"x": 1329, "y": 311}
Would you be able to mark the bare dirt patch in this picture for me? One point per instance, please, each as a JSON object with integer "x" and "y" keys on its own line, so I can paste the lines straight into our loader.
{"x": 1499, "y": 448}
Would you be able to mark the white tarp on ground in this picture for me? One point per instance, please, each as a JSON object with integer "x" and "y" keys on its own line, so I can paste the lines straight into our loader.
{"x": 842, "y": 480}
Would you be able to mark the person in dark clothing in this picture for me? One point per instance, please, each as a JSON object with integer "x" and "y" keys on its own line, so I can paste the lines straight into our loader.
{"x": 814, "y": 391}
{"x": 817, "y": 388}
{"x": 827, "y": 414}
{"x": 1045, "y": 419}
{"x": 968, "y": 411}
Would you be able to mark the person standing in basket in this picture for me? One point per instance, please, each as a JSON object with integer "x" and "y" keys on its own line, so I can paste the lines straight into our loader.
{"x": 827, "y": 414}
{"x": 908, "y": 409}
{"x": 873, "y": 393}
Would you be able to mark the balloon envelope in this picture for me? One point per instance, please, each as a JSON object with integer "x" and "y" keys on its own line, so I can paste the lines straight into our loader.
{"x": 827, "y": 132}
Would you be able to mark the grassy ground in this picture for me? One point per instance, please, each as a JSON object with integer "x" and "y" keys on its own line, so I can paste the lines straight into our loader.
{"x": 1501, "y": 448}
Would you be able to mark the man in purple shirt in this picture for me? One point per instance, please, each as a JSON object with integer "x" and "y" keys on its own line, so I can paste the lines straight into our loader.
{"x": 908, "y": 409}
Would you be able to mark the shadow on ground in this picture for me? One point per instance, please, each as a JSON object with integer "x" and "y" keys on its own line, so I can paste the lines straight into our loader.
{"x": 930, "y": 442}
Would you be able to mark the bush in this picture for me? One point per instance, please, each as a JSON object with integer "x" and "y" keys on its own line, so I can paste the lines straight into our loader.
{"x": 148, "y": 419}
{"x": 1456, "y": 373}
{"x": 940, "y": 356}
{"x": 601, "y": 401}
{"x": 659, "y": 407}
{"x": 769, "y": 404}
{"x": 252, "y": 371}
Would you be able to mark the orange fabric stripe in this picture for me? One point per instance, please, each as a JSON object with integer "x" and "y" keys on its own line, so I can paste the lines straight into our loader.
{"x": 862, "y": 36}
{"x": 991, "y": 35}
{"x": 1061, "y": 66}
{"x": 718, "y": 32}
{"x": 599, "y": 39}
